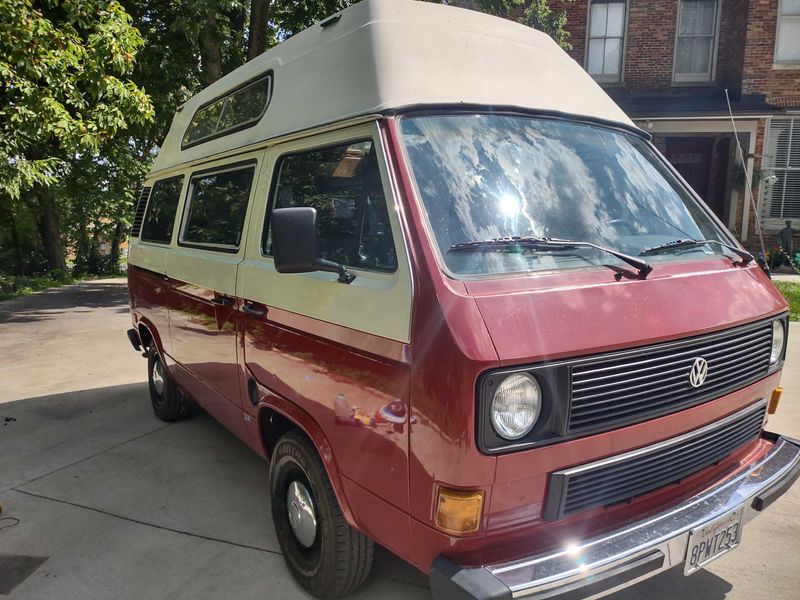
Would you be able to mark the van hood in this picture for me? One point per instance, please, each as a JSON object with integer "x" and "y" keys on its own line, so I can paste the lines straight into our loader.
{"x": 558, "y": 315}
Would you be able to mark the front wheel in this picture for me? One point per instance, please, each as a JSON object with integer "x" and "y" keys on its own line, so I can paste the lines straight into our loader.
{"x": 326, "y": 556}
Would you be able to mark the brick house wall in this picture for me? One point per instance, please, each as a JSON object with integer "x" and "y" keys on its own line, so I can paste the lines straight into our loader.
{"x": 650, "y": 44}
{"x": 650, "y": 41}
{"x": 731, "y": 51}
{"x": 782, "y": 86}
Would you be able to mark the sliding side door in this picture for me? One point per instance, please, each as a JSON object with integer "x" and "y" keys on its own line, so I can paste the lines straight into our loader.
{"x": 202, "y": 270}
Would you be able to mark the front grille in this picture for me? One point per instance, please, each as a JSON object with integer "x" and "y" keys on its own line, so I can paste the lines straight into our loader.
{"x": 139, "y": 216}
{"x": 636, "y": 385}
{"x": 623, "y": 477}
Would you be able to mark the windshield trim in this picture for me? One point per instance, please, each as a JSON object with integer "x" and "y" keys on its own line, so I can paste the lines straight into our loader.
{"x": 429, "y": 110}
{"x": 455, "y": 110}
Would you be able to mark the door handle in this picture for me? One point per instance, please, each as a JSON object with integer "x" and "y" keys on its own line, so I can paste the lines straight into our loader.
{"x": 250, "y": 309}
{"x": 223, "y": 301}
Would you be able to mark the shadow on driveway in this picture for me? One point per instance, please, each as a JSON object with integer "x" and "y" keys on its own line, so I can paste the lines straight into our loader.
{"x": 103, "y": 454}
{"x": 51, "y": 303}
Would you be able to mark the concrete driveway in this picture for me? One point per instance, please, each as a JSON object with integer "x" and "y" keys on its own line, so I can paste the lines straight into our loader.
{"x": 103, "y": 501}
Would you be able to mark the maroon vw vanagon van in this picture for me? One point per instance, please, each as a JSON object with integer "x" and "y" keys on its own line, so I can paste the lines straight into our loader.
{"x": 419, "y": 261}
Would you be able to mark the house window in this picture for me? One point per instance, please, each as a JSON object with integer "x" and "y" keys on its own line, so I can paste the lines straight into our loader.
{"x": 782, "y": 159}
{"x": 697, "y": 40}
{"x": 606, "y": 40}
{"x": 787, "y": 42}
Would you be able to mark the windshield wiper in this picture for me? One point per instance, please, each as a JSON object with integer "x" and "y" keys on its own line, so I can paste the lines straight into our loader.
{"x": 555, "y": 244}
{"x": 690, "y": 243}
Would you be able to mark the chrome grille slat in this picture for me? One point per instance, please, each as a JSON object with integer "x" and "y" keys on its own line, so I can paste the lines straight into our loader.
{"x": 637, "y": 487}
{"x": 621, "y": 478}
{"x": 635, "y": 385}
{"x": 622, "y": 473}
{"x": 582, "y": 490}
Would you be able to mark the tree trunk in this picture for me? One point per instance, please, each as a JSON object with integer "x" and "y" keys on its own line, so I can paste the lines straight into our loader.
{"x": 18, "y": 258}
{"x": 115, "y": 244}
{"x": 210, "y": 54}
{"x": 259, "y": 24}
{"x": 50, "y": 230}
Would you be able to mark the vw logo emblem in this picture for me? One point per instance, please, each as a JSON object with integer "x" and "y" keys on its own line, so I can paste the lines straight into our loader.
{"x": 699, "y": 371}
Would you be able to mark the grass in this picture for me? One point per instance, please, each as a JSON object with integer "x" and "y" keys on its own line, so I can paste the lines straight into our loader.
{"x": 790, "y": 291}
{"x": 14, "y": 286}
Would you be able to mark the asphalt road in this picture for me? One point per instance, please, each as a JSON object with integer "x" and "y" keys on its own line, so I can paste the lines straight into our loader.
{"x": 103, "y": 501}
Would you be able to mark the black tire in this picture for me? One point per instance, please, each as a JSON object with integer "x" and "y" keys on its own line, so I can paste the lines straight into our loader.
{"x": 340, "y": 558}
{"x": 169, "y": 403}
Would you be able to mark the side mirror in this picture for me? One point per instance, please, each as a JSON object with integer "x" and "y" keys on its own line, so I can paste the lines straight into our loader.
{"x": 294, "y": 232}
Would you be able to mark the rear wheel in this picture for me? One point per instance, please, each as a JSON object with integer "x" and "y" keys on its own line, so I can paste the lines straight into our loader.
{"x": 168, "y": 402}
{"x": 326, "y": 556}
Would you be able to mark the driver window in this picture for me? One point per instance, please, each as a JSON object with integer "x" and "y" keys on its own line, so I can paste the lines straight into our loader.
{"x": 343, "y": 184}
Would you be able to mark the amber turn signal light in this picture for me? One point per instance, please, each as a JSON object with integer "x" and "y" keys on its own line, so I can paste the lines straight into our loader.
{"x": 458, "y": 511}
{"x": 775, "y": 400}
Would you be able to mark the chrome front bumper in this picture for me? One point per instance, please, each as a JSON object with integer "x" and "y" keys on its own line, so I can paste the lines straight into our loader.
{"x": 618, "y": 559}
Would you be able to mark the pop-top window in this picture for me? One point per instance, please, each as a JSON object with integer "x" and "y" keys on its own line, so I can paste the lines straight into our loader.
{"x": 234, "y": 111}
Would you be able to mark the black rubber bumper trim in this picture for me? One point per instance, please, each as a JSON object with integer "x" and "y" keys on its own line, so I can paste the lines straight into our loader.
{"x": 136, "y": 342}
{"x": 452, "y": 582}
{"x": 776, "y": 490}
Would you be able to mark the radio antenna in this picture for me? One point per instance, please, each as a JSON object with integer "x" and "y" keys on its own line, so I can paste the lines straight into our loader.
{"x": 756, "y": 202}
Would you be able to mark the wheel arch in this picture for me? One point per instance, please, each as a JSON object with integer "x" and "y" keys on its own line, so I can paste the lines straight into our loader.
{"x": 148, "y": 334}
{"x": 280, "y": 416}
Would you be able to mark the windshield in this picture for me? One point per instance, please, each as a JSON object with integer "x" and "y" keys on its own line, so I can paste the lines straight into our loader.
{"x": 484, "y": 177}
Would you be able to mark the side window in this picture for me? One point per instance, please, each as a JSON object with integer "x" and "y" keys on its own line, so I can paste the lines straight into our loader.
{"x": 160, "y": 217}
{"x": 343, "y": 183}
{"x": 216, "y": 209}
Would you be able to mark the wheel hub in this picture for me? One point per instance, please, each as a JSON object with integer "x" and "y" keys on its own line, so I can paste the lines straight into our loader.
{"x": 158, "y": 377}
{"x": 302, "y": 516}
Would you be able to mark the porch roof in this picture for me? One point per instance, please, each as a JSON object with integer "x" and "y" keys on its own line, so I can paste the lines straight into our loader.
{"x": 690, "y": 102}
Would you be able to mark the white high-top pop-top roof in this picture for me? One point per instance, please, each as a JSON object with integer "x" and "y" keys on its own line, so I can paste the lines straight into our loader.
{"x": 389, "y": 54}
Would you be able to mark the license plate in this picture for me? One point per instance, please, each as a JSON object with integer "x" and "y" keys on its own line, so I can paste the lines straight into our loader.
{"x": 712, "y": 540}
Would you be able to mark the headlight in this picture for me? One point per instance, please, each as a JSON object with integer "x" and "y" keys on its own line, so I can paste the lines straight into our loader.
{"x": 778, "y": 339}
{"x": 516, "y": 405}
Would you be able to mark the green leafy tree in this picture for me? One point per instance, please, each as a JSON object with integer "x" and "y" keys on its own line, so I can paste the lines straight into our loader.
{"x": 539, "y": 15}
{"x": 534, "y": 13}
{"x": 63, "y": 93}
